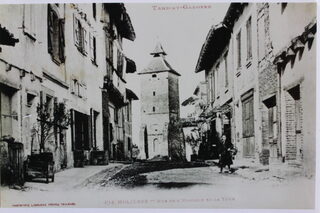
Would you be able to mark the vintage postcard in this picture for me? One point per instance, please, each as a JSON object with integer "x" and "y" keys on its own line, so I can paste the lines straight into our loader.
{"x": 158, "y": 105}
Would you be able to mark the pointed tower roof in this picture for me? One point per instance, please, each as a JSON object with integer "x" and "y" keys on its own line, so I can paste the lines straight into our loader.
{"x": 158, "y": 50}
{"x": 158, "y": 62}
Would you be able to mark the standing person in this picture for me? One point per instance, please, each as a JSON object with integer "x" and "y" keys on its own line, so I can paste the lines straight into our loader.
{"x": 225, "y": 155}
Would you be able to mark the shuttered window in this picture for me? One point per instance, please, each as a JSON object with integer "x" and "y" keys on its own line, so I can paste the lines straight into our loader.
{"x": 261, "y": 37}
{"x": 109, "y": 51}
{"x": 77, "y": 31}
{"x": 119, "y": 63}
{"x": 56, "y": 42}
{"x": 29, "y": 20}
{"x": 226, "y": 76}
{"x": 92, "y": 44}
{"x": 81, "y": 36}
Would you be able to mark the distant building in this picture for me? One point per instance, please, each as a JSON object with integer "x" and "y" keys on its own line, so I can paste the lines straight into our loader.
{"x": 192, "y": 122}
{"x": 160, "y": 109}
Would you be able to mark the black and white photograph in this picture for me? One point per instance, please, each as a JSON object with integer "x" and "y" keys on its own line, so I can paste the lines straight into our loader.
{"x": 176, "y": 104}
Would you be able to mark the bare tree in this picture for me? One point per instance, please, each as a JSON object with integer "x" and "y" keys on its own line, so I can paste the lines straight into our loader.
{"x": 49, "y": 121}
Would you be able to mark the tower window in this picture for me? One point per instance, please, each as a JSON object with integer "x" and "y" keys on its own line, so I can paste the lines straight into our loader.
{"x": 154, "y": 93}
{"x": 153, "y": 109}
{"x": 154, "y": 75}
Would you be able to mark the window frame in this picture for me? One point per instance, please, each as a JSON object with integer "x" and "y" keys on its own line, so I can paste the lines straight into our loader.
{"x": 55, "y": 33}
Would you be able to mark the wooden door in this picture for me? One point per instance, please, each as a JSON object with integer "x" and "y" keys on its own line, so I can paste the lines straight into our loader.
{"x": 248, "y": 127}
{"x": 81, "y": 131}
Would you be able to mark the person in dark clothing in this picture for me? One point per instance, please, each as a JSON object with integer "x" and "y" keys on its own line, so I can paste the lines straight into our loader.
{"x": 225, "y": 154}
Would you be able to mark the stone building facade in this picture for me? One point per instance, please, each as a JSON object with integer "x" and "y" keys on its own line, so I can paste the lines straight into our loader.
{"x": 160, "y": 108}
{"x": 60, "y": 59}
{"x": 273, "y": 121}
{"x": 295, "y": 59}
{"x": 268, "y": 84}
{"x": 116, "y": 120}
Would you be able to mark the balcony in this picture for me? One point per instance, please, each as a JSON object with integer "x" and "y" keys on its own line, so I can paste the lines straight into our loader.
{"x": 114, "y": 94}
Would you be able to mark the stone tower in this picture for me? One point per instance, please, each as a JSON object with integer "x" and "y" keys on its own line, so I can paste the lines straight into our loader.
{"x": 160, "y": 108}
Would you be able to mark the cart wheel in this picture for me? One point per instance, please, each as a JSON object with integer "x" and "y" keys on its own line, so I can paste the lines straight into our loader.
{"x": 47, "y": 177}
{"x": 52, "y": 178}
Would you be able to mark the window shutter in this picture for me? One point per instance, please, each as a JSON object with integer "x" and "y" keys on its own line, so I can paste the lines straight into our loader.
{"x": 94, "y": 49}
{"x": 91, "y": 45}
{"x": 270, "y": 123}
{"x": 244, "y": 119}
{"x": 251, "y": 118}
{"x": 114, "y": 55}
{"x": 50, "y": 30}
{"x": 72, "y": 129}
{"x": 119, "y": 62}
{"x": 238, "y": 38}
{"x": 41, "y": 98}
{"x": 55, "y": 129}
{"x": 90, "y": 129}
{"x": 261, "y": 37}
{"x": 249, "y": 38}
{"x": 85, "y": 41}
{"x": 76, "y": 31}
{"x": 61, "y": 40}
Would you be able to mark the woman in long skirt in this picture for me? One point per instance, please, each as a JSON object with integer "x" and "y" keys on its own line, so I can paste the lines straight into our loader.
{"x": 225, "y": 156}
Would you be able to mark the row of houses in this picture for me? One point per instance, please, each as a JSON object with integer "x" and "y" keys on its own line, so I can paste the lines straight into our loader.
{"x": 67, "y": 57}
{"x": 260, "y": 76}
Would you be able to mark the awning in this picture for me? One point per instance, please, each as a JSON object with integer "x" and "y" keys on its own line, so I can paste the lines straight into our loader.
{"x": 131, "y": 95}
{"x": 7, "y": 38}
{"x": 114, "y": 94}
{"x": 131, "y": 66}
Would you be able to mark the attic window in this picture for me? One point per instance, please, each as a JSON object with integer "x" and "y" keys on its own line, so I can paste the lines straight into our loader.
{"x": 154, "y": 75}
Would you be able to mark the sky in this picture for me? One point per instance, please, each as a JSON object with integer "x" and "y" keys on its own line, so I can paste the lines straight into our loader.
{"x": 181, "y": 32}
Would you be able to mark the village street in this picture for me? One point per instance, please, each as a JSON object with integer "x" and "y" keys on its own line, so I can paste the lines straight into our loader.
{"x": 148, "y": 184}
